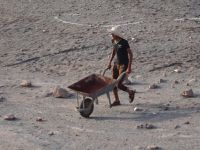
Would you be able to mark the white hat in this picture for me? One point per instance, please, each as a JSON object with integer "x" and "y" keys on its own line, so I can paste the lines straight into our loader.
{"x": 116, "y": 31}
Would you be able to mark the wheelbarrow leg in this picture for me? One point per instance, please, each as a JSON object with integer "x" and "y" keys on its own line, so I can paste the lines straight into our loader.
{"x": 77, "y": 100}
{"x": 108, "y": 95}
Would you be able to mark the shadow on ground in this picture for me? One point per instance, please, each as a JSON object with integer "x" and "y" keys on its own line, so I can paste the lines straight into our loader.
{"x": 153, "y": 112}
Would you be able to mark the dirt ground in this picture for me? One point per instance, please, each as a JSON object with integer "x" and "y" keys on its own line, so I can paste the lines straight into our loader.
{"x": 58, "y": 42}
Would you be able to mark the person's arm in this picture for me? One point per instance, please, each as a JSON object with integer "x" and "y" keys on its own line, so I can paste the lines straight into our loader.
{"x": 130, "y": 58}
{"x": 111, "y": 58}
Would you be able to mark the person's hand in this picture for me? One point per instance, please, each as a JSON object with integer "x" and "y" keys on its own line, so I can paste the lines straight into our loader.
{"x": 128, "y": 71}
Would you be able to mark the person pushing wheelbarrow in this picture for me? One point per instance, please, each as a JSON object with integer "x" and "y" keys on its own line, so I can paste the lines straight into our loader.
{"x": 124, "y": 55}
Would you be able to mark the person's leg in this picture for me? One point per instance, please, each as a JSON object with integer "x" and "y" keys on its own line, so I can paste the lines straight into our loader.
{"x": 122, "y": 87}
{"x": 115, "y": 74}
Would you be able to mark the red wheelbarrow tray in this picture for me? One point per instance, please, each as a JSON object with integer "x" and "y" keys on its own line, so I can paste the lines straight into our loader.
{"x": 93, "y": 85}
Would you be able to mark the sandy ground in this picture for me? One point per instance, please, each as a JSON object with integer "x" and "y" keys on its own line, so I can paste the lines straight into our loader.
{"x": 59, "y": 42}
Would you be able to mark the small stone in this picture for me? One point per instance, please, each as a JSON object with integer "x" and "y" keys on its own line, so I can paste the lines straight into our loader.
{"x": 44, "y": 31}
{"x": 146, "y": 126}
{"x": 177, "y": 70}
{"x": 137, "y": 109}
{"x": 177, "y": 126}
{"x": 176, "y": 82}
{"x": 9, "y": 117}
{"x": 165, "y": 108}
{"x": 60, "y": 92}
{"x": 188, "y": 93}
{"x": 153, "y": 86}
{"x": 153, "y": 147}
{"x": 150, "y": 126}
{"x": 161, "y": 81}
{"x": 25, "y": 83}
{"x": 2, "y": 99}
{"x": 39, "y": 119}
{"x": 51, "y": 133}
{"x": 187, "y": 122}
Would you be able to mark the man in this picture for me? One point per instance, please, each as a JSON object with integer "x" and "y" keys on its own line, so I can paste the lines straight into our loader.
{"x": 123, "y": 64}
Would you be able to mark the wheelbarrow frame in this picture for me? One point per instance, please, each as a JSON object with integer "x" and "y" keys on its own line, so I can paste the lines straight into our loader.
{"x": 94, "y": 95}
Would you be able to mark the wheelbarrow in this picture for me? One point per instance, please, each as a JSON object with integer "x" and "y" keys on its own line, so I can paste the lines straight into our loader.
{"x": 91, "y": 87}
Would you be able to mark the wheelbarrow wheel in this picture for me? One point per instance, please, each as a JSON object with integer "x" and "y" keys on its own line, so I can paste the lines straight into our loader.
{"x": 86, "y": 107}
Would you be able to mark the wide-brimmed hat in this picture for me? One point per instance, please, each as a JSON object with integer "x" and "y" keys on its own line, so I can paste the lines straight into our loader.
{"x": 116, "y": 30}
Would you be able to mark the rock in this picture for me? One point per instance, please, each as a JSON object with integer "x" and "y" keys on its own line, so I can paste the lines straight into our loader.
{"x": 39, "y": 119}
{"x": 177, "y": 70}
{"x": 146, "y": 126}
{"x": 60, "y": 92}
{"x": 9, "y": 117}
{"x": 153, "y": 147}
{"x": 153, "y": 86}
{"x": 51, "y": 133}
{"x": 176, "y": 82}
{"x": 2, "y": 98}
{"x": 187, "y": 122}
{"x": 161, "y": 81}
{"x": 177, "y": 126}
{"x": 137, "y": 109}
{"x": 188, "y": 93}
{"x": 25, "y": 83}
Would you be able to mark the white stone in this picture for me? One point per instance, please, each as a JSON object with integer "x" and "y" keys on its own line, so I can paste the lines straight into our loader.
{"x": 177, "y": 70}
{"x": 25, "y": 83}
{"x": 137, "y": 109}
{"x": 60, "y": 92}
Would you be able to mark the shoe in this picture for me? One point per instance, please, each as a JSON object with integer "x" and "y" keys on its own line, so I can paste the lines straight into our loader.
{"x": 116, "y": 103}
{"x": 131, "y": 96}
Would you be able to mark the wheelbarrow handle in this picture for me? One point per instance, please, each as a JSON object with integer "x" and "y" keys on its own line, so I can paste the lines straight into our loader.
{"x": 105, "y": 71}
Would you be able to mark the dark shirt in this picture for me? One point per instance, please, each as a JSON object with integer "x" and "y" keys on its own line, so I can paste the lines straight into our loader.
{"x": 121, "y": 51}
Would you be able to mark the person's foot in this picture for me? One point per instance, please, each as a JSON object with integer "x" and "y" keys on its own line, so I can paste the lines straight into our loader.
{"x": 131, "y": 96}
{"x": 116, "y": 103}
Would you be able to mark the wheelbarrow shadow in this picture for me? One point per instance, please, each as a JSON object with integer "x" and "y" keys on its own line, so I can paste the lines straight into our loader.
{"x": 153, "y": 112}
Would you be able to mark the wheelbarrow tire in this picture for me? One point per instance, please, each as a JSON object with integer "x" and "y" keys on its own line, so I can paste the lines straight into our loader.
{"x": 89, "y": 107}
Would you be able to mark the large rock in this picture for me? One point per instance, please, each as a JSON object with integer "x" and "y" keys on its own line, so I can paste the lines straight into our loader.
{"x": 188, "y": 93}
{"x": 60, "y": 92}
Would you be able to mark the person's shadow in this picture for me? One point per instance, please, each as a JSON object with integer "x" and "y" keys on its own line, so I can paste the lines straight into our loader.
{"x": 153, "y": 112}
